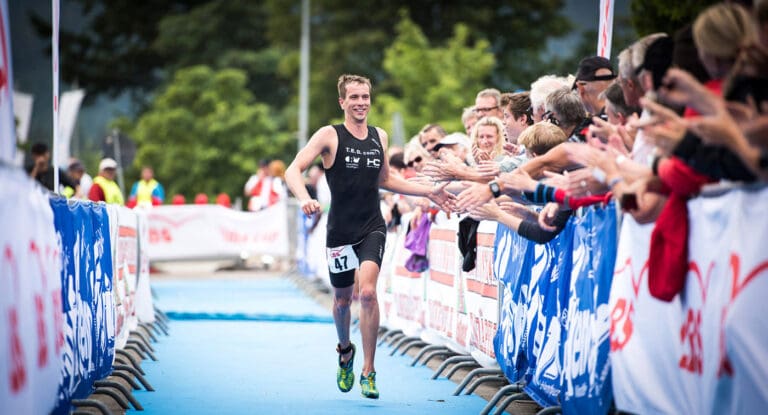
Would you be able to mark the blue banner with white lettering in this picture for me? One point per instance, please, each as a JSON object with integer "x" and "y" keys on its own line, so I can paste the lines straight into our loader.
{"x": 586, "y": 369}
{"x": 548, "y": 300}
{"x": 87, "y": 300}
{"x": 512, "y": 260}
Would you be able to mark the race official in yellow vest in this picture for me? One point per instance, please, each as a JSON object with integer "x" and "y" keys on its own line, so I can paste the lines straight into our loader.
{"x": 104, "y": 188}
{"x": 147, "y": 191}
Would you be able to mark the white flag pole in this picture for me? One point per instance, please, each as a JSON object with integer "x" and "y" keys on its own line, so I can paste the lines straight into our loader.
{"x": 55, "y": 67}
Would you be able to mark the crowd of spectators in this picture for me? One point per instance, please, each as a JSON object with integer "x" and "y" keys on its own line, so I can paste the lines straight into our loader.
{"x": 649, "y": 133}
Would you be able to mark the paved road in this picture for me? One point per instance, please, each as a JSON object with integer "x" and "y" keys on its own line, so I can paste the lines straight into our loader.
{"x": 245, "y": 343}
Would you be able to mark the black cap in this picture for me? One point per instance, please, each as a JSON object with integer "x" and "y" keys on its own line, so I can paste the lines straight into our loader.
{"x": 658, "y": 59}
{"x": 589, "y": 66}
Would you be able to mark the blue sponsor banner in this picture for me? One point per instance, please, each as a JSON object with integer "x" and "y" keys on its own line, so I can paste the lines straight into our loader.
{"x": 512, "y": 261}
{"x": 586, "y": 369}
{"x": 87, "y": 300}
{"x": 547, "y": 302}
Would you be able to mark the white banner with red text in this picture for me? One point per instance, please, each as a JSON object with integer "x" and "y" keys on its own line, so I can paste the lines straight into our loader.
{"x": 31, "y": 328}
{"x": 704, "y": 352}
{"x": 190, "y": 232}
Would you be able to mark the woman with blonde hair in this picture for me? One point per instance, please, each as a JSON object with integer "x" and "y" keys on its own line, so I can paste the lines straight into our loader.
{"x": 720, "y": 33}
{"x": 487, "y": 139}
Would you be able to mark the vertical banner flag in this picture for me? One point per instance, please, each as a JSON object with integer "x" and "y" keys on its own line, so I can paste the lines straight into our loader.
{"x": 55, "y": 68}
{"x": 605, "y": 30}
{"x": 69, "y": 107}
{"x": 22, "y": 110}
{"x": 7, "y": 122}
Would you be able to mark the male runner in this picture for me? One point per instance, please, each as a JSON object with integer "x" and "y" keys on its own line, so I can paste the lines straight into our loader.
{"x": 355, "y": 162}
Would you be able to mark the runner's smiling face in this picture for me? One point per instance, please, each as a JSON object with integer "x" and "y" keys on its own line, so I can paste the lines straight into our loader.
{"x": 357, "y": 102}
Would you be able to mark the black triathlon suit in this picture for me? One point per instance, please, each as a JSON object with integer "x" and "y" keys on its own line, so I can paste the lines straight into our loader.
{"x": 356, "y": 230}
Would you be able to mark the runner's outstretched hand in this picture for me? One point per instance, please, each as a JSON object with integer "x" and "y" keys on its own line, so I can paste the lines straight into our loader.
{"x": 310, "y": 206}
{"x": 442, "y": 197}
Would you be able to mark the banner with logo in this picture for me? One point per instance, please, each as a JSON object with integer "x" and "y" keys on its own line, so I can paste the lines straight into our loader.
{"x": 125, "y": 256}
{"x": 735, "y": 270}
{"x": 408, "y": 289}
{"x": 644, "y": 332}
{"x": 547, "y": 300}
{"x": 481, "y": 298}
{"x": 586, "y": 370}
{"x": 88, "y": 302}
{"x": 212, "y": 232}
{"x": 513, "y": 260}
{"x": 384, "y": 284}
{"x": 705, "y": 349}
{"x": 442, "y": 284}
{"x": 31, "y": 332}
{"x": 145, "y": 311}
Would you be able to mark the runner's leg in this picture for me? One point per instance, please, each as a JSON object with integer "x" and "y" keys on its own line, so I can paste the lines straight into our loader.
{"x": 342, "y": 298}
{"x": 369, "y": 313}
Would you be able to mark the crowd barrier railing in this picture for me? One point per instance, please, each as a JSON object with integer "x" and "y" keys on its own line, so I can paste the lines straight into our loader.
{"x": 74, "y": 286}
{"x": 577, "y": 326}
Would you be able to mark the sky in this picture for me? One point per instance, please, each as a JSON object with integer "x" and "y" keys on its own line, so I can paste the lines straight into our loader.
{"x": 33, "y": 74}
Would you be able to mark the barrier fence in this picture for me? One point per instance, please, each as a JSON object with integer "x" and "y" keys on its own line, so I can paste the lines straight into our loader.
{"x": 573, "y": 320}
{"x": 74, "y": 282}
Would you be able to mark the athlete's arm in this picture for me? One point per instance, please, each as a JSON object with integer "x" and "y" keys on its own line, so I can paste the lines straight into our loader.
{"x": 322, "y": 143}
{"x": 397, "y": 184}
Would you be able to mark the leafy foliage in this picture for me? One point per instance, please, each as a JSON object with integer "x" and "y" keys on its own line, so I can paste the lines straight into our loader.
{"x": 204, "y": 132}
{"x": 652, "y": 16}
{"x": 431, "y": 84}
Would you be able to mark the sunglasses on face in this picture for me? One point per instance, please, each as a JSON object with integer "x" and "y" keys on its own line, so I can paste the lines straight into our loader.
{"x": 484, "y": 110}
{"x": 550, "y": 116}
{"x": 414, "y": 161}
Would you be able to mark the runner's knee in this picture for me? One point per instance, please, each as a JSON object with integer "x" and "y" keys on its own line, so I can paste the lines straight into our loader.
{"x": 367, "y": 296}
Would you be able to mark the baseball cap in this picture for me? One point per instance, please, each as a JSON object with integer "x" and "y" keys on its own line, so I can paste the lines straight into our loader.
{"x": 589, "y": 66}
{"x": 451, "y": 139}
{"x": 107, "y": 163}
{"x": 76, "y": 165}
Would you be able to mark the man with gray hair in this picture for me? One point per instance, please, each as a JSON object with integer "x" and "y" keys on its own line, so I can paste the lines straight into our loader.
{"x": 542, "y": 87}
{"x": 488, "y": 103}
{"x": 629, "y": 60}
{"x": 564, "y": 109}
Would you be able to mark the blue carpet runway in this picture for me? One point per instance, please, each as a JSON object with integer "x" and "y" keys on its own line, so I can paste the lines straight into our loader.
{"x": 260, "y": 346}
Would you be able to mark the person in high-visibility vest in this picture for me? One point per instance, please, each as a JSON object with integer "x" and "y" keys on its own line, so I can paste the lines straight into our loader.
{"x": 104, "y": 188}
{"x": 147, "y": 191}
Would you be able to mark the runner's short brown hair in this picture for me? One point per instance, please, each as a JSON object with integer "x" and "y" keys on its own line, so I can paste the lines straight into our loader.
{"x": 347, "y": 79}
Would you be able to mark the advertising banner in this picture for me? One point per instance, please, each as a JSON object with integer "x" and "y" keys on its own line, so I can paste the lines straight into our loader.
{"x": 88, "y": 301}
{"x": 215, "y": 232}
{"x": 31, "y": 325}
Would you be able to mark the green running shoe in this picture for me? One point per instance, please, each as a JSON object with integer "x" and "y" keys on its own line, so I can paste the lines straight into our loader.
{"x": 368, "y": 385}
{"x": 345, "y": 375}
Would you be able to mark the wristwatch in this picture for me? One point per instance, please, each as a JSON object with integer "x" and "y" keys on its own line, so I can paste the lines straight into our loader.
{"x": 495, "y": 189}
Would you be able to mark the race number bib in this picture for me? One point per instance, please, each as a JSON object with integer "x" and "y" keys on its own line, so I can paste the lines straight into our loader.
{"x": 342, "y": 258}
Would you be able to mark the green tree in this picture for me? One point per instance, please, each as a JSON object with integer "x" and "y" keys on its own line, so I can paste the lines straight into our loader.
{"x": 205, "y": 132}
{"x": 350, "y": 38}
{"x": 651, "y": 16}
{"x": 225, "y": 34}
{"x": 431, "y": 84}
